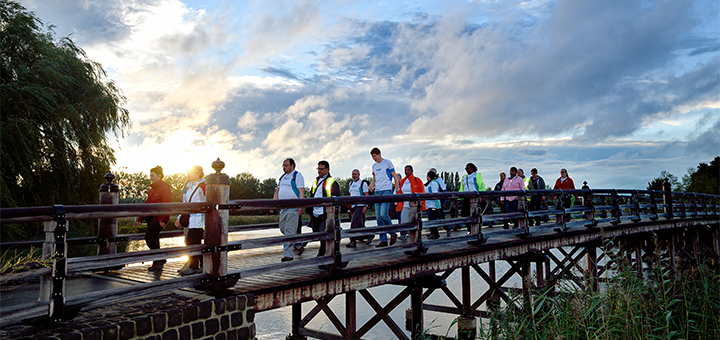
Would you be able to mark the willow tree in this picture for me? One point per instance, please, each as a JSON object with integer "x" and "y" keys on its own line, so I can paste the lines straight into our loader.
{"x": 58, "y": 110}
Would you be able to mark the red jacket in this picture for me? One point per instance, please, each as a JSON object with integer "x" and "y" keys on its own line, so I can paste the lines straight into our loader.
{"x": 566, "y": 185}
{"x": 416, "y": 185}
{"x": 159, "y": 193}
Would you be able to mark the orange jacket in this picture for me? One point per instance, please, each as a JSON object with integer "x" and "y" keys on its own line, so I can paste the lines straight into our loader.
{"x": 417, "y": 187}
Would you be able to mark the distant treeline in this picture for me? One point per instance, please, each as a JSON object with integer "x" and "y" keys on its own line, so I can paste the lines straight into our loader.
{"x": 134, "y": 186}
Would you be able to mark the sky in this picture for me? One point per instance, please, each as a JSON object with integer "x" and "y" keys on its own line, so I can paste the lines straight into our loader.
{"x": 615, "y": 91}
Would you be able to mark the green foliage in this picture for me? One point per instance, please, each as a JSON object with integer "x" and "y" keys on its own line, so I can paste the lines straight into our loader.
{"x": 133, "y": 186}
{"x": 452, "y": 180}
{"x": 658, "y": 182}
{"x": 704, "y": 178}
{"x": 267, "y": 188}
{"x": 57, "y": 110}
{"x": 244, "y": 186}
{"x": 176, "y": 183}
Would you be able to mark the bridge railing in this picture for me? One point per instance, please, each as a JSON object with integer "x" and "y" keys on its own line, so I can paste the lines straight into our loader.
{"x": 594, "y": 206}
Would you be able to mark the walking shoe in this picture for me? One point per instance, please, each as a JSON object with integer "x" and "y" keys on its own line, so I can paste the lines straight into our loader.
{"x": 381, "y": 244}
{"x": 449, "y": 232}
{"x": 393, "y": 239}
{"x": 300, "y": 250}
{"x": 369, "y": 241}
{"x": 351, "y": 245}
{"x": 191, "y": 271}
{"x": 155, "y": 268}
{"x": 403, "y": 237}
{"x": 286, "y": 258}
{"x": 434, "y": 236}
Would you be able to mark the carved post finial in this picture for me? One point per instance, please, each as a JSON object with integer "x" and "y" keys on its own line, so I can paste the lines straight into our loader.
{"x": 218, "y": 165}
{"x": 109, "y": 186}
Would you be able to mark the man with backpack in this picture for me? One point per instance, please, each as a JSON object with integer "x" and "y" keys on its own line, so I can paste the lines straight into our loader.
{"x": 358, "y": 187}
{"x": 290, "y": 186}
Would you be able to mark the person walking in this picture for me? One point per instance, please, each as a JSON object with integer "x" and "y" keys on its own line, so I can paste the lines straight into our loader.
{"x": 358, "y": 187}
{"x": 409, "y": 184}
{"x": 324, "y": 186}
{"x": 383, "y": 182}
{"x": 194, "y": 191}
{"x": 564, "y": 182}
{"x": 290, "y": 186}
{"x": 159, "y": 192}
{"x": 472, "y": 181}
{"x": 433, "y": 206}
{"x": 536, "y": 201}
{"x": 511, "y": 202}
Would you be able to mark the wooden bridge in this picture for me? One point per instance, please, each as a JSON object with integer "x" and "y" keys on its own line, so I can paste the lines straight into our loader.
{"x": 639, "y": 222}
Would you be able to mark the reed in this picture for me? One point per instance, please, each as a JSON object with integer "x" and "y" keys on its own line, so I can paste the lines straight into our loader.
{"x": 662, "y": 305}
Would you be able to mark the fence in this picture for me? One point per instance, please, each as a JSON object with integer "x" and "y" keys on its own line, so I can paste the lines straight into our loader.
{"x": 597, "y": 207}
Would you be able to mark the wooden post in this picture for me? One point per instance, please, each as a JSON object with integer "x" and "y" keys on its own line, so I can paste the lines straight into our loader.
{"x": 56, "y": 307}
{"x": 330, "y": 245}
{"x": 48, "y": 252}
{"x": 296, "y": 320}
{"x": 589, "y": 204}
{"x": 350, "y": 314}
{"x": 522, "y": 208}
{"x": 592, "y": 269}
{"x": 415, "y": 207}
{"x": 667, "y": 198}
{"x": 475, "y": 226}
{"x": 216, "y": 226}
{"x": 416, "y": 304}
{"x": 615, "y": 202}
{"x": 653, "y": 206}
{"x": 107, "y": 227}
{"x": 467, "y": 327}
{"x": 634, "y": 200}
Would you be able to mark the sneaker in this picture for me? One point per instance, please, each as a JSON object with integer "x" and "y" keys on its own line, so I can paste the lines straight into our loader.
{"x": 393, "y": 239}
{"x": 381, "y": 244}
{"x": 369, "y": 241}
{"x": 300, "y": 250}
{"x": 351, "y": 245}
{"x": 449, "y": 232}
{"x": 155, "y": 268}
{"x": 286, "y": 258}
{"x": 403, "y": 237}
{"x": 434, "y": 236}
{"x": 191, "y": 271}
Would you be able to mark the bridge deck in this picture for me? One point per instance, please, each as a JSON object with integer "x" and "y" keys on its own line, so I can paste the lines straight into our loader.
{"x": 303, "y": 284}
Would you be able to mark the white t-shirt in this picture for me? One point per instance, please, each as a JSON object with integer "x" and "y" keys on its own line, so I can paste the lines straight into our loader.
{"x": 432, "y": 187}
{"x": 406, "y": 189}
{"x": 442, "y": 183}
{"x": 355, "y": 190}
{"x": 285, "y": 189}
{"x": 383, "y": 175}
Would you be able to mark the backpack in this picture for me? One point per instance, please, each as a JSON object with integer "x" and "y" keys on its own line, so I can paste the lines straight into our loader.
{"x": 292, "y": 183}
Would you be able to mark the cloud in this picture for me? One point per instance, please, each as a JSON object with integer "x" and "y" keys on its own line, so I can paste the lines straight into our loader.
{"x": 707, "y": 142}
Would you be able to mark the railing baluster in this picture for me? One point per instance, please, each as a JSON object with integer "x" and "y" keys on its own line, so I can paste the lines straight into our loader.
{"x": 56, "y": 308}
{"x": 333, "y": 223}
{"x": 667, "y": 199}
{"x": 107, "y": 227}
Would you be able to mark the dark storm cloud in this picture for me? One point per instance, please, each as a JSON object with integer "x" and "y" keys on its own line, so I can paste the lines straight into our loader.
{"x": 707, "y": 142}
{"x": 89, "y": 22}
{"x": 281, "y": 72}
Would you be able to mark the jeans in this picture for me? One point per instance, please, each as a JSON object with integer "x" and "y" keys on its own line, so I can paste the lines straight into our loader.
{"x": 381, "y": 211}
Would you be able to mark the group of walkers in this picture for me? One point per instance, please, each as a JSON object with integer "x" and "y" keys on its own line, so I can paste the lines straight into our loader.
{"x": 385, "y": 181}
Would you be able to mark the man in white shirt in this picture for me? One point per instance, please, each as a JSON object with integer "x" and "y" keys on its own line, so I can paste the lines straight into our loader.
{"x": 290, "y": 186}
{"x": 383, "y": 183}
{"x": 358, "y": 187}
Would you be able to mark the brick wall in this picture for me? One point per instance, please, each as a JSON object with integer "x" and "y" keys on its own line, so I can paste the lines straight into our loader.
{"x": 167, "y": 316}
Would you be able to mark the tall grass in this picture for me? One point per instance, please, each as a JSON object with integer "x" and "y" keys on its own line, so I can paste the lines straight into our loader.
{"x": 630, "y": 307}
